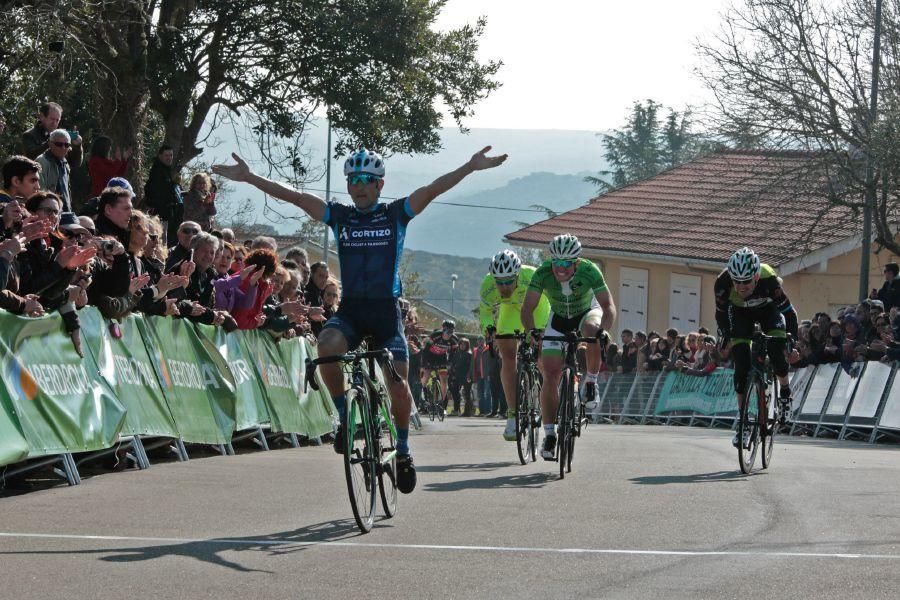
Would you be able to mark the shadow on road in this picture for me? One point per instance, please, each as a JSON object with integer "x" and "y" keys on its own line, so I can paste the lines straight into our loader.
{"x": 717, "y": 476}
{"x": 464, "y": 467}
{"x": 210, "y": 550}
{"x": 533, "y": 480}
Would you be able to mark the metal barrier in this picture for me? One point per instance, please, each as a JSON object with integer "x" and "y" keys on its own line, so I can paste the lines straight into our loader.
{"x": 827, "y": 401}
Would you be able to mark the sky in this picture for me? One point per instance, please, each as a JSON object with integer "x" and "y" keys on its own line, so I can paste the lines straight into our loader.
{"x": 580, "y": 64}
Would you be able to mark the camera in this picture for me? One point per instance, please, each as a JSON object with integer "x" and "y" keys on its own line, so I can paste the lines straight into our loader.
{"x": 107, "y": 246}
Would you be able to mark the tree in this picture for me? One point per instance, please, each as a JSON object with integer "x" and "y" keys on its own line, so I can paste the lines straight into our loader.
{"x": 796, "y": 75}
{"x": 376, "y": 65}
{"x": 645, "y": 146}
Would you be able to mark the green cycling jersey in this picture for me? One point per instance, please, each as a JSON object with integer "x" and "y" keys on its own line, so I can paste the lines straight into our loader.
{"x": 574, "y": 297}
{"x": 504, "y": 313}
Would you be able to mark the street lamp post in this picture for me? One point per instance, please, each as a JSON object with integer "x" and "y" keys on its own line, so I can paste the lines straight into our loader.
{"x": 453, "y": 279}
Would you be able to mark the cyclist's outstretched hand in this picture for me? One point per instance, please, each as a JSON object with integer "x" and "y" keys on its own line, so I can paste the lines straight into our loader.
{"x": 481, "y": 161}
{"x": 236, "y": 172}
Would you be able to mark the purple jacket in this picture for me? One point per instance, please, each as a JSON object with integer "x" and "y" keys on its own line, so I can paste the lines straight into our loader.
{"x": 230, "y": 296}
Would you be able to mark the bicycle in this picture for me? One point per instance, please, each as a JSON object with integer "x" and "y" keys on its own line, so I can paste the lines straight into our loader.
{"x": 760, "y": 431}
{"x": 528, "y": 394}
{"x": 370, "y": 456}
{"x": 570, "y": 415}
{"x": 432, "y": 399}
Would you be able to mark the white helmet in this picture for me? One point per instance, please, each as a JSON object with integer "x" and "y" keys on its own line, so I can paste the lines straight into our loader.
{"x": 743, "y": 265}
{"x": 505, "y": 264}
{"x": 565, "y": 247}
{"x": 364, "y": 161}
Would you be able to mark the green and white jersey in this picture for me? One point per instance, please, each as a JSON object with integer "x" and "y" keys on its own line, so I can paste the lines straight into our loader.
{"x": 573, "y": 297}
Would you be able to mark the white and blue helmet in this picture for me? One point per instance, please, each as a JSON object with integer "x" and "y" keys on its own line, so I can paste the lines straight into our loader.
{"x": 364, "y": 161}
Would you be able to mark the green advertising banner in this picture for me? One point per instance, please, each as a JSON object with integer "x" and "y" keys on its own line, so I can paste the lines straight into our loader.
{"x": 125, "y": 365}
{"x": 276, "y": 384}
{"x": 13, "y": 446}
{"x": 60, "y": 403}
{"x": 710, "y": 395}
{"x": 250, "y": 407}
{"x": 195, "y": 378}
{"x": 316, "y": 406}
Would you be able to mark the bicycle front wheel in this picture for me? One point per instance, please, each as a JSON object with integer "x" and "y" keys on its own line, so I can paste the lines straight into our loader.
{"x": 359, "y": 459}
{"x": 524, "y": 424}
{"x": 767, "y": 431}
{"x": 564, "y": 416}
{"x": 748, "y": 428}
{"x": 387, "y": 465}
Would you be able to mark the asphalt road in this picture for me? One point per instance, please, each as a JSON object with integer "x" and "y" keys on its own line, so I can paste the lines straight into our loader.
{"x": 648, "y": 512}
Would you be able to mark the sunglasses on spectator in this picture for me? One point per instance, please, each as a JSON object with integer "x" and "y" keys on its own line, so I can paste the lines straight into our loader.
{"x": 153, "y": 236}
{"x": 562, "y": 264}
{"x": 509, "y": 281}
{"x": 363, "y": 178}
{"x": 62, "y": 144}
{"x": 190, "y": 231}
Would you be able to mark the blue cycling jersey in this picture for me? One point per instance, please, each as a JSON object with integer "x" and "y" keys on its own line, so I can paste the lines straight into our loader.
{"x": 369, "y": 246}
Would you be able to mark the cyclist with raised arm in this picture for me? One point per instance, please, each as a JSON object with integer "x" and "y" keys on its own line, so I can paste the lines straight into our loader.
{"x": 503, "y": 290}
{"x": 436, "y": 355}
{"x": 369, "y": 236}
{"x": 579, "y": 302}
{"x": 749, "y": 292}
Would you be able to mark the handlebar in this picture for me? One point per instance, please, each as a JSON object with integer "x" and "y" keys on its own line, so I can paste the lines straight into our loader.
{"x": 383, "y": 356}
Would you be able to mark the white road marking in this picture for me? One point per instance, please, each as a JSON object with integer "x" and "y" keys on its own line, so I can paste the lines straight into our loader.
{"x": 499, "y": 549}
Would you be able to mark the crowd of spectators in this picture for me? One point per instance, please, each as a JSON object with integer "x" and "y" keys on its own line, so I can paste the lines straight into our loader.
{"x": 60, "y": 255}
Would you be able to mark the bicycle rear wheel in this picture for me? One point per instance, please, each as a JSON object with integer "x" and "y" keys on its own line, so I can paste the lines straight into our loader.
{"x": 748, "y": 427}
{"x": 767, "y": 432}
{"x": 563, "y": 431}
{"x": 387, "y": 467}
{"x": 359, "y": 461}
{"x": 524, "y": 424}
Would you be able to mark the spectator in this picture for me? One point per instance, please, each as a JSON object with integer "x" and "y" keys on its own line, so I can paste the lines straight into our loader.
{"x": 144, "y": 260}
{"x": 102, "y": 166}
{"x": 56, "y": 172}
{"x": 155, "y": 250}
{"x": 36, "y": 140}
{"x": 459, "y": 383}
{"x": 228, "y": 235}
{"x": 264, "y": 262}
{"x": 640, "y": 342}
{"x": 115, "y": 214}
{"x": 629, "y": 352}
{"x": 493, "y": 370}
{"x": 299, "y": 256}
{"x": 196, "y": 301}
{"x": 236, "y": 291}
{"x": 889, "y": 294}
{"x": 704, "y": 358}
{"x": 864, "y": 317}
{"x": 21, "y": 179}
{"x": 199, "y": 204}
{"x": 162, "y": 194}
{"x": 318, "y": 276}
{"x": 29, "y": 305}
{"x": 480, "y": 377}
{"x": 613, "y": 359}
{"x": 240, "y": 254}
{"x": 659, "y": 356}
{"x": 265, "y": 242}
{"x": 181, "y": 252}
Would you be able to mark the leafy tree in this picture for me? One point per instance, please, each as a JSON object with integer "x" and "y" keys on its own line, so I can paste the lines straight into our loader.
{"x": 378, "y": 66}
{"x": 796, "y": 75}
{"x": 646, "y": 145}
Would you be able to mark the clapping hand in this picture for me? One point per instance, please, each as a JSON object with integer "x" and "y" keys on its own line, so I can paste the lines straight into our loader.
{"x": 138, "y": 283}
{"x": 35, "y": 228}
{"x": 73, "y": 257}
{"x": 33, "y": 307}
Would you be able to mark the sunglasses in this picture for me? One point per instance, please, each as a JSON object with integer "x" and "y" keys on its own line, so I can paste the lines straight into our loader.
{"x": 741, "y": 281}
{"x": 153, "y": 237}
{"x": 509, "y": 281}
{"x": 190, "y": 231}
{"x": 363, "y": 178}
{"x": 62, "y": 144}
{"x": 562, "y": 264}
